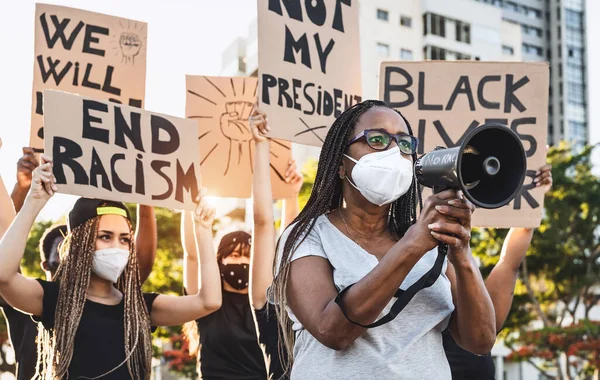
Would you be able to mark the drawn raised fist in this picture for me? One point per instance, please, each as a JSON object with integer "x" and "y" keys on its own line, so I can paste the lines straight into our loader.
{"x": 234, "y": 122}
{"x": 131, "y": 45}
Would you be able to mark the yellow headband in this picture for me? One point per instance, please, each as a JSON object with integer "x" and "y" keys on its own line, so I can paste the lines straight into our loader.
{"x": 111, "y": 211}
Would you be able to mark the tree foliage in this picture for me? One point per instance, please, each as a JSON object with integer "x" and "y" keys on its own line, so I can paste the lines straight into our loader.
{"x": 560, "y": 280}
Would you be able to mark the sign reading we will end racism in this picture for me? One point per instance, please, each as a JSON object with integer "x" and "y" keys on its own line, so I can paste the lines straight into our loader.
{"x": 444, "y": 101}
{"x": 309, "y": 65}
{"x": 109, "y": 151}
{"x": 86, "y": 53}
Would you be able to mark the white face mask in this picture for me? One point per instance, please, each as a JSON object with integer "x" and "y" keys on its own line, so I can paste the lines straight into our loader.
{"x": 110, "y": 263}
{"x": 382, "y": 177}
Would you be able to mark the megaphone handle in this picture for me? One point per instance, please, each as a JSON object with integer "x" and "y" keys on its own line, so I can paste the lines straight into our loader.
{"x": 438, "y": 189}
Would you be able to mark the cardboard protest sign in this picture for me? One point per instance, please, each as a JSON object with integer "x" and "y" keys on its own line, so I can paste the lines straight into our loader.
{"x": 110, "y": 151}
{"x": 309, "y": 65}
{"x": 445, "y": 100}
{"x": 221, "y": 106}
{"x": 95, "y": 55}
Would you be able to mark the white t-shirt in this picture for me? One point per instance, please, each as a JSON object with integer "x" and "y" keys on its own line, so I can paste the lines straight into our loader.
{"x": 409, "y": 347}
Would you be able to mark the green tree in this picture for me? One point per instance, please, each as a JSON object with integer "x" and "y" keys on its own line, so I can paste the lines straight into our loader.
{"x": 559, "y": 280}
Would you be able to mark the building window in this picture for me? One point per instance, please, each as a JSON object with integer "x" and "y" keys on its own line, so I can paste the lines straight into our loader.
{"x": 508, "y": 50}
{"x": 434, "y": 24}
{"x": 573, "y": 19}
{"x": 435, "y": 53}
{"x": 383, "y": 50}
{"x": 575, "y": 93}
{"x": 574, "y": 38}
{"x": 511, "y": 6}
{"x": 577, "y": 134}
{"x": 533, "y": 50}
{"x": 406, "y": 21}
{"x": 463, "y": 32}
{"x": 462, "y": 57}
{"x": 574, "y": 73}
{"x": 406, "y": 54}
{"x": 532, "y": 30}
{"x": 383, "y": 15}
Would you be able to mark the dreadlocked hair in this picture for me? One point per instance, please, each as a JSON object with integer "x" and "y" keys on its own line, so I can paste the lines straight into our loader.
{"x": 55, "y": 347}
{"x": 325, "y": 197}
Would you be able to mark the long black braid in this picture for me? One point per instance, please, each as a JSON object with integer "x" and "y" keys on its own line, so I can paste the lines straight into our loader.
{"x": 325, "y": 197}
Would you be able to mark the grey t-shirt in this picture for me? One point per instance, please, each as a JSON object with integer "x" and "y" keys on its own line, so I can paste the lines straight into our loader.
{"x": 409, "y": 347}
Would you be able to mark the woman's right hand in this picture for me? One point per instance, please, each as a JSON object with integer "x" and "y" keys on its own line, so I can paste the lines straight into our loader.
{"x": 258, "y": 125}
{"x": 43, "y": 182}
{"x": 420, "y": 232}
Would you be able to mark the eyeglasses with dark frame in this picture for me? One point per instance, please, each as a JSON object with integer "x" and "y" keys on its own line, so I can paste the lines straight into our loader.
{"x": 379, "y": 139}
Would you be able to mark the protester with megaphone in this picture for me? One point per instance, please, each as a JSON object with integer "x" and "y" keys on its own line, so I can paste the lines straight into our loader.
{"x": 358, "y": 249}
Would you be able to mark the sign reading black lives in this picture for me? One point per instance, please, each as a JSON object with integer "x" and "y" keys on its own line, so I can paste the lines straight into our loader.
{"x": 444, "y": 101}
{"x": 309, "y": 65}
{"x": 109, "y": 151}
{"x": 86, "y": 53}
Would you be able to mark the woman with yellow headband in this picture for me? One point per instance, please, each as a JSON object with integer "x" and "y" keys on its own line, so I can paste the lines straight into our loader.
{"x": 95, "y": 320}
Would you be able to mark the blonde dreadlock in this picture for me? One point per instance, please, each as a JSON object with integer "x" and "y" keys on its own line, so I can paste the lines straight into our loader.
{"x": 55, "y": 347}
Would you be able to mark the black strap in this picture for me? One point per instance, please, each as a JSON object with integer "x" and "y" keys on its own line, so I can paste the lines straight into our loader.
{"x": 403, "y": 296}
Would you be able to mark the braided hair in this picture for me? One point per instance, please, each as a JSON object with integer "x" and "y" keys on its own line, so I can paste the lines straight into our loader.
{"x": 326, "y": 196}
{"x": 56, "y": 346}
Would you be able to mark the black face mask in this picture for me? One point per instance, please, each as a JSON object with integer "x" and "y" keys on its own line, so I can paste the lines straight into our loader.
{"x": 236, "y": 275}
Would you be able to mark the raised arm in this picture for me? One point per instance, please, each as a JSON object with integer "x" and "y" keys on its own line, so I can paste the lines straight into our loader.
{"x": 263, "y": 239}
{"x": 172, "y": 310}
{"x": 25, "y": 166}
{"x": 190, "y": 253}
{"x": 146, "y": 240}
{"x": 24, "y": 293}
{"x": 501, "y": 282}
{"x": 6, "y": 205}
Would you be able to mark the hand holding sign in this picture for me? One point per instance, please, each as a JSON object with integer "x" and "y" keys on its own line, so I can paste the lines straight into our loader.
{"x": 43, "y": 183}
{"x": 258, "y": 125}
{"x": 204, "y": 215}
{"x": 25, "y": 166}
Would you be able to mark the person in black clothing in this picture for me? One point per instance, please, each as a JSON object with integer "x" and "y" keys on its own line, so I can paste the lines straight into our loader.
{"x": 500, "y": 285}
{"x": 227, "y": 340}
{"x": 96, "y": 320}
{"x": 263, "y": 247}
{"x": 23, "y": 330}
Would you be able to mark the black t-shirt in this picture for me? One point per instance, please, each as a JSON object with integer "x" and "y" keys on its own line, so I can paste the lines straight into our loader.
{"x": 229, "y": 347}
{"x": 23, "y": 331}
{"x": 100, "y": 337}
{"x": 466, "y": 365}
{"x": 268, "y": 336}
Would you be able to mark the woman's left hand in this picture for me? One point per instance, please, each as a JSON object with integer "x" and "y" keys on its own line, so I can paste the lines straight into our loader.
{"x": 294, "y": 177}
{"x": 456, "y": 230}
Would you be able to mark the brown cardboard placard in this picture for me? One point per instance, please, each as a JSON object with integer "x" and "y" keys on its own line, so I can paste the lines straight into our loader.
{"x": 221, "y": 107}
{"x": 443, "y": 100}
{"x": 86, "y": 53}
{"x": 309, "y": 65}
{"x": 110, "y": 151}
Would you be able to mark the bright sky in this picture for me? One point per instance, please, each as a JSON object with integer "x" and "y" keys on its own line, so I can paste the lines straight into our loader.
{"x": 185, "y": 37}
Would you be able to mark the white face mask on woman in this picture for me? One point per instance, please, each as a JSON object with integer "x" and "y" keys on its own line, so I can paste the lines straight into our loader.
{"x": 382, "y": 177}
{"x": 110, "y": 263}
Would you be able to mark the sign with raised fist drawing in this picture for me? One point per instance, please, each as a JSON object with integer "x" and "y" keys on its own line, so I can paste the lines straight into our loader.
{"x": 222, "y": 106}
